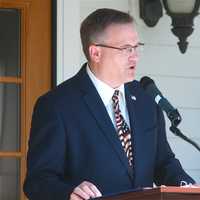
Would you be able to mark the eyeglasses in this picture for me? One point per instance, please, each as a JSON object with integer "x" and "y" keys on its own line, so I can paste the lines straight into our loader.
{"x": 128, "y": 49}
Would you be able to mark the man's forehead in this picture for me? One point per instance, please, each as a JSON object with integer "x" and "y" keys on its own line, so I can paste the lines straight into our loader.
{"x": 120, "y": 25}
{"x": 122, "y": 32}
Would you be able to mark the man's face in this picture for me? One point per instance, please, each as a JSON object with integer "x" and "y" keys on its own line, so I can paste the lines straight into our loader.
{"x": 117, "y": 66}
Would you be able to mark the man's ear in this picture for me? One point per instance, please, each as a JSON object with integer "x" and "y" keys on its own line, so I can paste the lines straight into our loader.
{"x": 95, "y": 53}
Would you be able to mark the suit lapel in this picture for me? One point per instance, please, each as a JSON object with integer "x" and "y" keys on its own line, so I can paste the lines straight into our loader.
{"x": 96, "y": 107}
{"x": 135, "y": 106}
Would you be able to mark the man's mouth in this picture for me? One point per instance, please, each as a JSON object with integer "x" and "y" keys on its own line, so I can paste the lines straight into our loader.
{"x": 132, "y": 67}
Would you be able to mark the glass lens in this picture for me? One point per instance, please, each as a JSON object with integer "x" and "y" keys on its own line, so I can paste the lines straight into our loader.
{"x": 9, "y": 117}
{"x": 9, "y": 179}
{"x": 9, "y": 42}
{"x": 180, "y": 6}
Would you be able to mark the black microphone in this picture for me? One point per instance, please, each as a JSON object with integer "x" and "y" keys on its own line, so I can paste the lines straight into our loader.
{"x": 149, "y": 86}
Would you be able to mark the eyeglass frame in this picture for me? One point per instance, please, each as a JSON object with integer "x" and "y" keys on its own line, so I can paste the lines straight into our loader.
{"x": 127, "y": 49}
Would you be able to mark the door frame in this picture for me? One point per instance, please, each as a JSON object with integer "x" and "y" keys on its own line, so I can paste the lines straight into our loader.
{"x": 37, "y": 56}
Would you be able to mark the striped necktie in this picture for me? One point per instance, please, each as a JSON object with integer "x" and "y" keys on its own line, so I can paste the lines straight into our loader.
{"x": 123, "y": 130}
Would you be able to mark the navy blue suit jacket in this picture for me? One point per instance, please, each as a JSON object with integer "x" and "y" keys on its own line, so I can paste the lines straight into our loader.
{"x": 73, "y": 139}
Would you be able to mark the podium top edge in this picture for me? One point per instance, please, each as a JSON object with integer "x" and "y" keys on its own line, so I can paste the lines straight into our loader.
{"x": 173, "y": 189}
{"x": 156, "y": 191}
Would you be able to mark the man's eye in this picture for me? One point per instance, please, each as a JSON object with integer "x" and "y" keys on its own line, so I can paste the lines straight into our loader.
{"x": 130, "y": 49}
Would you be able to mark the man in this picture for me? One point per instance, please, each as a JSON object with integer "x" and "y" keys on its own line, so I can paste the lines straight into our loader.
{"x": 99, "y": 133}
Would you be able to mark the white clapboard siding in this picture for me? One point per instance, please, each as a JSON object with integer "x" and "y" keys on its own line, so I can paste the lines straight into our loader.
{"x": 162, "y": 30}
{"x": 182, "y": 92}
{"x": 88, "y": 6}
{"x": 178, "y": 78}
{"x": 186, "y": 153}
{"x": 68, "y": 42}
{"x": 189, "y": 124}
{"x": 168, "y": 61}
{"x": 157, "y": 34}
{"x": 194, "y": 174}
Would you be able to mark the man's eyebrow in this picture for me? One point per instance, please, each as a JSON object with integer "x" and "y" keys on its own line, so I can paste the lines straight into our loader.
{"x": 130, "y": 45}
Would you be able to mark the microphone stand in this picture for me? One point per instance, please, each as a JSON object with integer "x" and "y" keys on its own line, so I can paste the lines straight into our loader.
{"x": 175, "y": 119}
{"x": 177, "y": 132}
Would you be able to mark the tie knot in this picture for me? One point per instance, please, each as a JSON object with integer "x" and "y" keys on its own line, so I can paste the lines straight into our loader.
{"x": 115, "y": 96}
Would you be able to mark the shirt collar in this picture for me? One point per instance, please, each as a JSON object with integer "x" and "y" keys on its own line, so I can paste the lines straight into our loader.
{"x": 105, "y": 91}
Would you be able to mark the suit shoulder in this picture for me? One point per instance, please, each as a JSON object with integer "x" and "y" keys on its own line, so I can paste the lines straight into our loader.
{"x": 61, "y": 93}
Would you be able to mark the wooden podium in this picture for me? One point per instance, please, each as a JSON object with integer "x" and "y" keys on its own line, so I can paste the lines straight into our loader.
{"x": 158, "y": 193}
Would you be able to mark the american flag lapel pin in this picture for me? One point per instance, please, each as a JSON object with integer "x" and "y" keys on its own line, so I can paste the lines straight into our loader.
{"x": 133, "y": 97}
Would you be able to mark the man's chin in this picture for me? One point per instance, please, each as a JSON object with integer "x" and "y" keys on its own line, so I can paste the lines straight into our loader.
{"x": 130, "y": 79}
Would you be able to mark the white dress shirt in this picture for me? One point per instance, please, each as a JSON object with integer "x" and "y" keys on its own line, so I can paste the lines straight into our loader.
{"x": 106, "y": 92}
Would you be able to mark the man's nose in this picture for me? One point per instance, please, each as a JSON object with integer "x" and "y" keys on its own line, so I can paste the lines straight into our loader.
{"x": 134, "y": 57}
